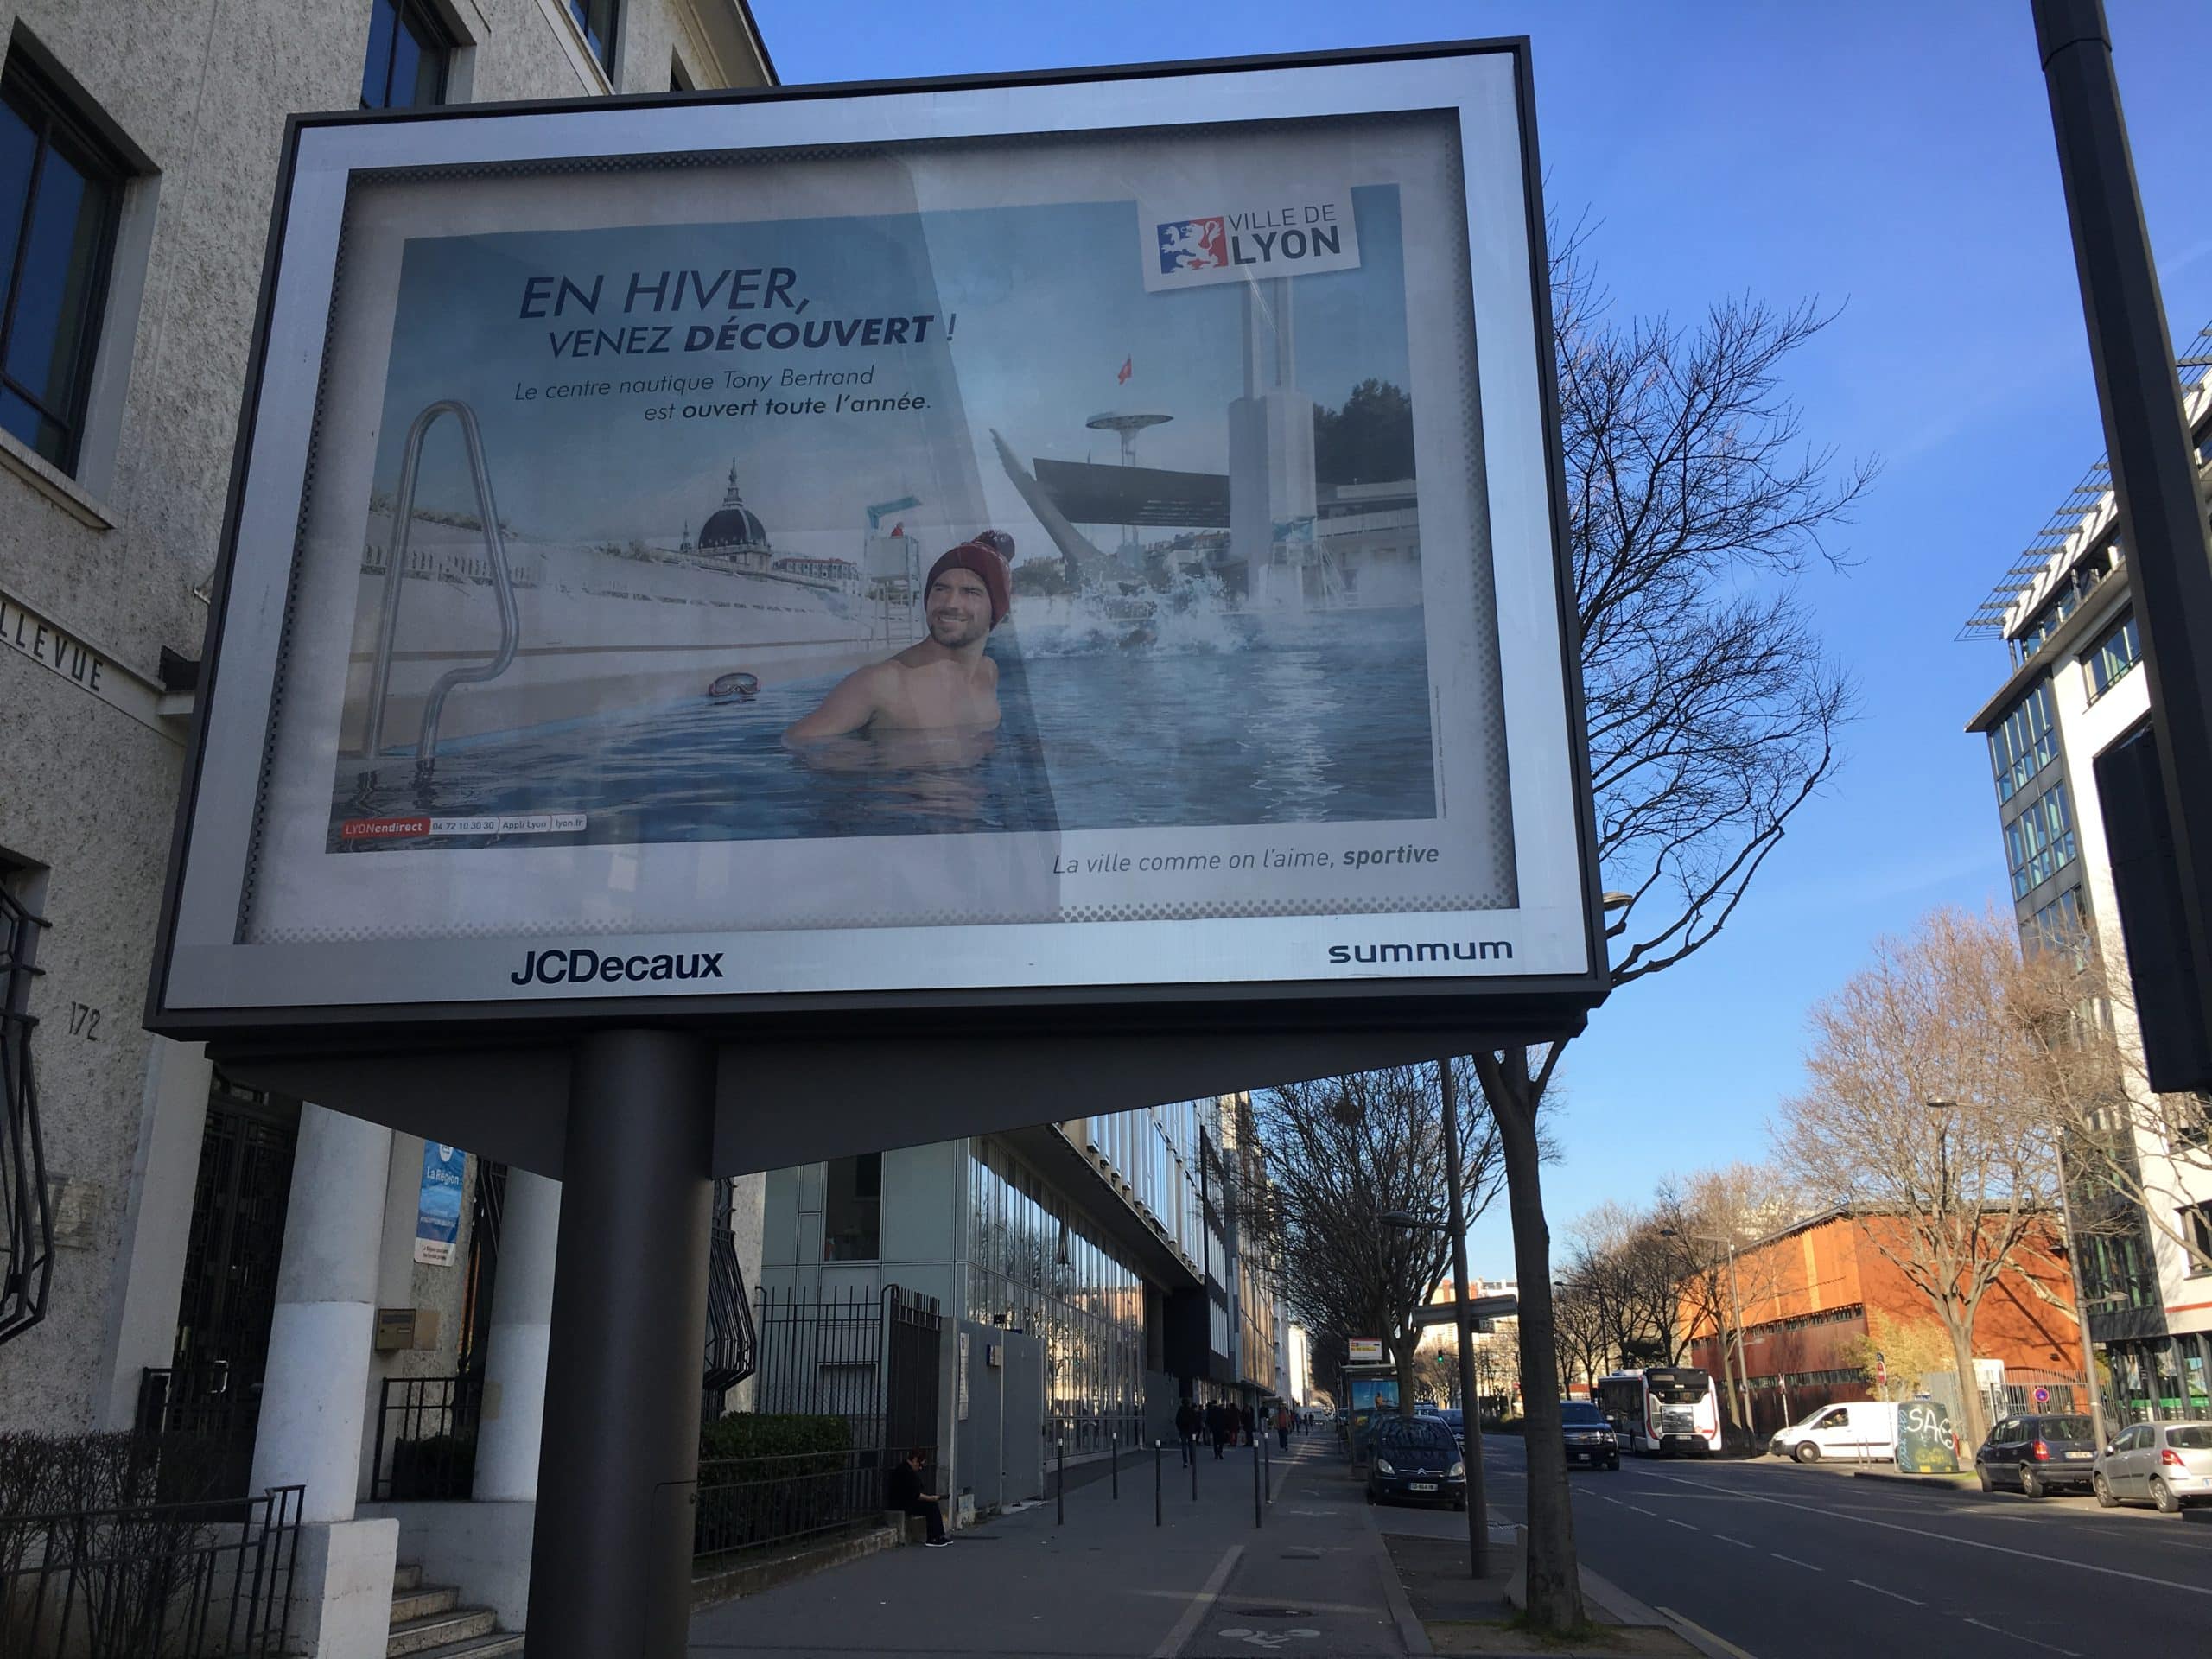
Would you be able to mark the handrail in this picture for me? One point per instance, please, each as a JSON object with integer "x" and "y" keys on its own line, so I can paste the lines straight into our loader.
{"x": 25, "y": 1198}
{"x": 495, "y": 548}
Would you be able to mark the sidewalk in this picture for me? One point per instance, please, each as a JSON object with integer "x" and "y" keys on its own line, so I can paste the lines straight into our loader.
{"x": 1108, "y": 1583}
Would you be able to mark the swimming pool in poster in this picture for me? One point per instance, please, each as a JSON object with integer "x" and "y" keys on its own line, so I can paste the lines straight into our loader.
{"x": 1314, "y": 737}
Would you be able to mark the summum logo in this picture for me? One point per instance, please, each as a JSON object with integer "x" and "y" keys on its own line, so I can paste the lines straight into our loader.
{"x": 1464, "y": 951}
{"x": 580, "y": 967}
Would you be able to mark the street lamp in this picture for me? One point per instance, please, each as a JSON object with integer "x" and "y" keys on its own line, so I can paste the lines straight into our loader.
{"x": 1736, "y": 1305}
{"x": 1942, "y": 1108}
{"x": 1470, "y": 1405}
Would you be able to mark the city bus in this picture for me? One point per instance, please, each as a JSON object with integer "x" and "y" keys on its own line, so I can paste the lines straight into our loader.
{"x": 1662, "y": 1411}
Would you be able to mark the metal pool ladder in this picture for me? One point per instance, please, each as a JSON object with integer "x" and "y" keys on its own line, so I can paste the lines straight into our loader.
{"x": 503, "y": 587}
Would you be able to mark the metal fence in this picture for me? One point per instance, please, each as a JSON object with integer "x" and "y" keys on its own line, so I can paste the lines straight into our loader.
{"x": 426, "y": 1438}
{"x": 754, "y": 1503}
{"x": 870, "y": 1358}
{"x": 205, "y": 1581}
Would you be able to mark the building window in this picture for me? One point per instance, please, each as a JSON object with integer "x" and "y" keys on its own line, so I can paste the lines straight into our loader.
{"x": 2196, "y": 1228}
{"x": 2066, "y": 599}
{"x": 61, "y": 190}
{"x": 2060, "y": 926}
{"x": 2040, "y": 841}
{"x": 2024, "y": 743}
{"x": 597, "y": 18}
{"x": 2112, "y": 656}
{"x": 409, "y": 54}
{"x": 852, "y": 1213}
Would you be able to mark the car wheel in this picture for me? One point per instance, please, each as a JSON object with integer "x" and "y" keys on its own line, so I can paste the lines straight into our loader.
{"x": 1461, "y": 1506}
{"x": 1988, "y": 1484}
{"x": 2163, "y": 1496}
{"x": 2102, "y": 1488}
{"x": 1807, "y": 1452}
{"x": 2031, "y": 1482}
{"x": 1370, "y": 1497}
{"x": 1615, "y": 1466}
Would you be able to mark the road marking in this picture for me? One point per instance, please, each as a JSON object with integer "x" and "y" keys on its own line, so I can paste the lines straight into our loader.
{"x": 1684, "y": 1525}
{"x": 1969, "y": 1543}
{"x": 1639, "y": 1511}
{"x": 1739, "y": 1542}
{"x": 1794, "y": 1562}
{"x": 1171, "y": 1645}
{"x": 2030, "y": 1640}
{"x": 1694, "y": 1629}
{"x": 1892, "y": 1594}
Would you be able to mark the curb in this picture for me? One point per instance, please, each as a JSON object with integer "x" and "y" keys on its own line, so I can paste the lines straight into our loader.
{"x": 1412, "y": 1633}
{"x": 1625, "y": 1610}
{"x": 1941, "y": 1482}
{"x": 718, "y": 1585}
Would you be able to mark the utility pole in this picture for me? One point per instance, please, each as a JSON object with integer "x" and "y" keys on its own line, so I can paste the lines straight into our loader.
{"x": 2153, "y": 467}
{"x": 1743, "y": 1359}
{"x": 1470, "y": 1410}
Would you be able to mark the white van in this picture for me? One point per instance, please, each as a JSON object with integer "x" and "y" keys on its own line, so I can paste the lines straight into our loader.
{"x": 1864, "y": 1429}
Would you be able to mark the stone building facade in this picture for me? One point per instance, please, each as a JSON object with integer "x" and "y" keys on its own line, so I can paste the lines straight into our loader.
{"x": 139, "y": 159}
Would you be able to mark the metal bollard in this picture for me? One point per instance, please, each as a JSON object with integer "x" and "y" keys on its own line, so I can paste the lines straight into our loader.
{"x": 1194, "y": 1471}
{"x": 1256, "y": 1484}
{"x": 1060, "y": 1492}
{"x": 1159, "y": 1482}
{"x": 1114, "y": 1462}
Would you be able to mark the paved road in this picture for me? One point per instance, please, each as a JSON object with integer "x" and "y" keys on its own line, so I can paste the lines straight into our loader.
{"x": 1790, "y": 1563}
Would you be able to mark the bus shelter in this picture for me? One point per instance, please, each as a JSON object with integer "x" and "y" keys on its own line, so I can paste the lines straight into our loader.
{"x": 1369, "y": 1391}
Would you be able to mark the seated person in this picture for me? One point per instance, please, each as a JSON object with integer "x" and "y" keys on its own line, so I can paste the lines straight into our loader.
{"x": 902, "y": 1491}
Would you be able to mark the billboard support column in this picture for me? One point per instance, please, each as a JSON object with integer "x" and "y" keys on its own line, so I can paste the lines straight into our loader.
{"x": 610, "y": 1568}
{"x": 2153, "y": 469}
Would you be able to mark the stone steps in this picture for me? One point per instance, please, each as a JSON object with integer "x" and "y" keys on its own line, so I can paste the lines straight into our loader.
{"x": 428, "y": 1621}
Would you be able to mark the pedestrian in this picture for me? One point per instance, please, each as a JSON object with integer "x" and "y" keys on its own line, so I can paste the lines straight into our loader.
{"x": 1246, "y": 1422}
{"x": 902, "y": 1491}
{"x": 1282, "y": 1428}
{"x": 1218, "y": 1426}
{"x": 1187, "y": 1422}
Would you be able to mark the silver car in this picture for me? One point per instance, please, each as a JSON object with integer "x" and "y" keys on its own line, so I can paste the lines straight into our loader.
{"x": 2167, "y": 1464}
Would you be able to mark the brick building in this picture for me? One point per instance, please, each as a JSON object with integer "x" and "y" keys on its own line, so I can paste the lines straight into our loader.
{"x": 1812, "y": 1294}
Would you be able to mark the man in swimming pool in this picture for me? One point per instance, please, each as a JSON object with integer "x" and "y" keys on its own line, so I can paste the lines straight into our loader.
{"x": 943, "y": 680}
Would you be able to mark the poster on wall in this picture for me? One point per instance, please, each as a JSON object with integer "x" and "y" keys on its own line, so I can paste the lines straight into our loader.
{"x": 437, "y": 1207}
{"x": 1034, "y": 547}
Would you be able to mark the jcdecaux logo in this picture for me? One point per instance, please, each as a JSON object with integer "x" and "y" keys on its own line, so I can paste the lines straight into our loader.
{"x": 582, "y": 966}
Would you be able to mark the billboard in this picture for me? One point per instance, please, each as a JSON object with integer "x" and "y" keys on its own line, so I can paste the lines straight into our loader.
{"x": 1080, "y": 536}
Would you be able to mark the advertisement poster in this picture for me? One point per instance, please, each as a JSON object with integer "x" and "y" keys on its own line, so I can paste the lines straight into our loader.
{"x": 918, "y": 563}
{"x": 438, "y": 1209}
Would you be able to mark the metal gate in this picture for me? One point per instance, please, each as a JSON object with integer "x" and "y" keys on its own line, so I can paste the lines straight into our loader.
{"x": 868, "y": 1357}
{"x": 202, "y": 1412}
{"x": 913, "y": 1331}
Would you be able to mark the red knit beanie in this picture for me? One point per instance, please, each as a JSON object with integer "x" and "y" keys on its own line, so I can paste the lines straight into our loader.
{"x": 987, "y": 565}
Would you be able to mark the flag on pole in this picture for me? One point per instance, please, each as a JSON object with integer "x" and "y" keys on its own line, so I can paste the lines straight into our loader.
{"x": 1128, "y": 366}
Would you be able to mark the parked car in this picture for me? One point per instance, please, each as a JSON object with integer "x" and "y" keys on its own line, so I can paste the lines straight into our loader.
{"x": 1590, "y": 1438}
{"x": 2039, "y": 1455}
{"x": 2167, "y": 1464}
{"x": 1416, "y": 1460}
{"x": 1865, "y": 1429}
{"x": 1456, "y": 1420}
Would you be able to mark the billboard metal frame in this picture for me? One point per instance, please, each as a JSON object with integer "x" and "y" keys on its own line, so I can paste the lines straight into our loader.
{"x": 1531, "y": 1005}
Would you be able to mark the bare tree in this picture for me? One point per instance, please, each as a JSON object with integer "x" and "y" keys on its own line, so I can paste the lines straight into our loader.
{"x": 2135, "y": 1159}
{"x": 1708, "y": 1219}
{"x": 1342, "y": 1151}
{"x": 1580, "y": 1335}
{"x": 1693, "y": 502}
{"x": 1922, "y": 1114}
{"x": 1629, "y": 1271}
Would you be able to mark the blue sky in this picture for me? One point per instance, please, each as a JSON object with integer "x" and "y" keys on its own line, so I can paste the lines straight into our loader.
{"x": 1893, "y": 159}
